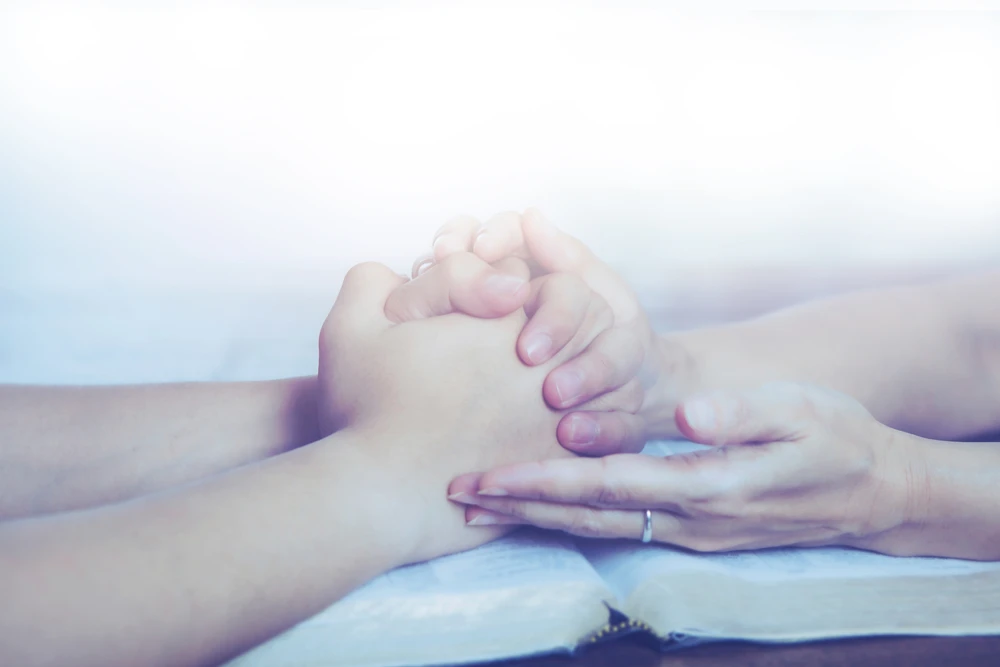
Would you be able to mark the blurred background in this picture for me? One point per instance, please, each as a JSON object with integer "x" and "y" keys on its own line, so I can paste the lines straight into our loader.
{"x": 182, "y": 188}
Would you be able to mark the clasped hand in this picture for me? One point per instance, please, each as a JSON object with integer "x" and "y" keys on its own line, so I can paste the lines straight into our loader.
{"x": 789, "y": 464}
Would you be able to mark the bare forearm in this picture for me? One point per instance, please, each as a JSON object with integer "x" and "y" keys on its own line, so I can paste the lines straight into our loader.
{"x": 195, "y": 575}
{"x": 921, "y": 359}
{"x": 71, "y": 447}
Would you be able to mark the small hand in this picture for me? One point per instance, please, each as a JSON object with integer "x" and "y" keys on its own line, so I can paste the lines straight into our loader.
{"x": 790, "y": 465}
{"x": 436, "y": 394}
{"x": 614, "y": 384}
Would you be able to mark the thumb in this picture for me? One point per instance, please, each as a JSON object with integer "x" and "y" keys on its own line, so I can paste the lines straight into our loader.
{"x": 558, "y": 252}
{"x": 552, "y": 248}
{"x": 770, "y": 413}
{"x": 362, "y": 296}
{"x": 461, "y": 283}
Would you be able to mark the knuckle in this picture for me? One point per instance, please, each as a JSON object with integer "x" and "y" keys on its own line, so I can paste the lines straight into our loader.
{"x": 612, "y": 496}
{"x": 461, "y": 265}
{"x": 503, "y": 221}
{"x": 566, "y": 287}
{"x": 601, "y": 367}
{"x": 604, "y": 316}
{"x": 613, "y": 491}
{"x": 587, "y": 522}
{"x": 363, "y": 272}
{"x": 456, "y": 223}
{"x": 633, "y": 395}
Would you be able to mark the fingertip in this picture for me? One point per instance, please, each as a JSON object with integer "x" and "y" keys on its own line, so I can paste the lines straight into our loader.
{"x": 507, "y": 292}
{"x": 486, "y": 247}
{"x": 447, "y": 245}
{"x": 535, "y": 347}
{"x": 422, "y": 264}
{"x": 464, "y": 485}
{"x": 702, "y": 419}
{"x": 477, "y": 516}
{"x": 564, "y": 387}
{"x": 578, "y": 432}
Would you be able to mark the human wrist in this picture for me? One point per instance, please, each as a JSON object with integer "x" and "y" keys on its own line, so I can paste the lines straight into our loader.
{"x": 376, "y": 490}
{"x": 901, "y": 501}
{"x": 670, "y": 369}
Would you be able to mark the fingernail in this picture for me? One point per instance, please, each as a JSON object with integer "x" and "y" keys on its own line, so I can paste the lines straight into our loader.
{"x": 569, "y": 386}
{"x": 479, "y": 243}
{"x": 492, "y": 491}
{"x": 462, "y": 497}
{"x": 492, "y": 520}
{"x": 538, "y": 347}
{"x": 423, "y": 266}
{"x": 583, "y": 430}
{"x": 701, "y": 415}
{"x": 482, "y": 520}
{"x": 504, "y": 284}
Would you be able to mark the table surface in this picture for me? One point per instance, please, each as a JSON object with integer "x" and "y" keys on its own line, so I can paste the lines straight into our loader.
{"x": 897, "y": 651}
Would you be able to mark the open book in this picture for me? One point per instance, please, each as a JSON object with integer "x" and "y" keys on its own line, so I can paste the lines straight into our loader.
{"x": 535, "y": 592}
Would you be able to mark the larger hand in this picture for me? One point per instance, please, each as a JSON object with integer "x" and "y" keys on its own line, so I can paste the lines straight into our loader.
{"x": 628, "y": 369}
{"x": 790, "y": 465}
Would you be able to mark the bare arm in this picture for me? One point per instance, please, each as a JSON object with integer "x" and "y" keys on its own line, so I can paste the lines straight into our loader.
{"x": 66, "y": 448}
{"x": 924, "y": 359}
{"x": 195, "y": 575}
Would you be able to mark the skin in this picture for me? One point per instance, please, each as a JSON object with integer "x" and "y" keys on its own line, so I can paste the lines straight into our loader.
{"x": 193, "y": 574}
{"x": 791, "y": 464}
{"x": 628, "y": 367}
{"x": 67, "y": 448}
{"x": 794, "y": 463}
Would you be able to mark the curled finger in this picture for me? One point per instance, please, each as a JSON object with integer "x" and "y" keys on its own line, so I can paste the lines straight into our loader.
{"x": 602, "y": 433}
{"x": 558, "y": 306}
{"x": 456, "y": 235}
{"x": 500, "y": 237}
{"x": 611, "y": 361}
{"x": 577, "y": 520}
{"x": 460, "y": 283}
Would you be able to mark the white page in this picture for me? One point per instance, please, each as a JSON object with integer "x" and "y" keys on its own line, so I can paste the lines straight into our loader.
{"x": 528, "y": 592}
{"x": 625, "y": 565}
{"x": 525, "y": 559}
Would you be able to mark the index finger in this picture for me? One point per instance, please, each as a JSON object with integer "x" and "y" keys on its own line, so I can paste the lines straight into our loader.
{"x": 620, "y": 480}
{"x": 640, "y": 481}
{"x": 461, "y": 283}
{"x": 456, "y": 235}
{"x": 501, "y": 237}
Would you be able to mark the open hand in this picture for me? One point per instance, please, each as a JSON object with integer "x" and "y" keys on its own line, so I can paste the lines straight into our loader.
{"x": 790, "y": 464}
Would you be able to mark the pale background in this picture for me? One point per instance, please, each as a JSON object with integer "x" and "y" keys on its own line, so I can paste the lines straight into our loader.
{"x": 182, "y": 188}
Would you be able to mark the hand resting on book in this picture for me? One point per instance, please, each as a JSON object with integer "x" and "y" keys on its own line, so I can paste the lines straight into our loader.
{"x": 790, "y": 465}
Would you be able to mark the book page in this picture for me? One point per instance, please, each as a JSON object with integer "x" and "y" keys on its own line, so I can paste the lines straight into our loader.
{"x": 527, "y": 593}
{"x": 626, "y": 565}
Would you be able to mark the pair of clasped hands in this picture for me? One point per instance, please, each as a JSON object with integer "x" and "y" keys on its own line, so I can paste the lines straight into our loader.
{"x": 515, "y": 378}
